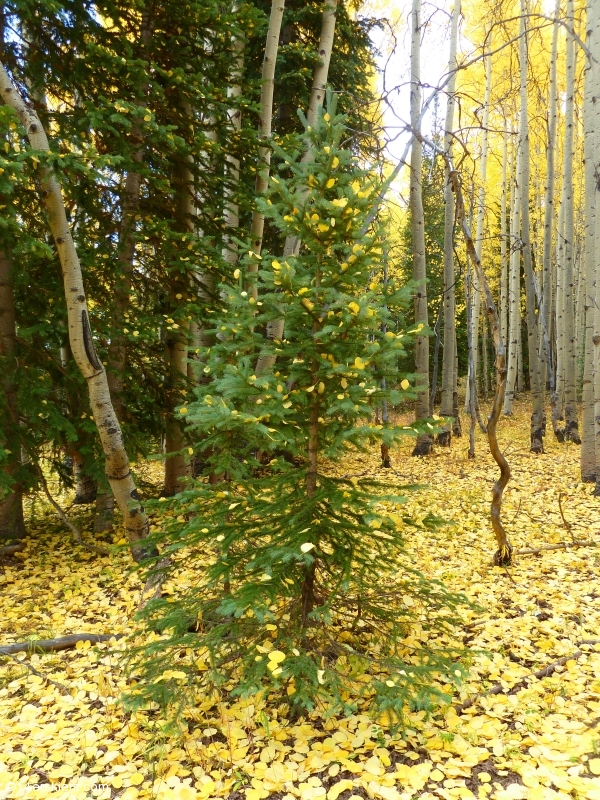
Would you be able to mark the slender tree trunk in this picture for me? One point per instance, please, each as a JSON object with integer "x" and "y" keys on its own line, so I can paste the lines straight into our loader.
{"x": 588, "y": 455}
{"x": 476, "y": 303}
{"x": 267, "y": 360}
{"x": 571, "y": 426}
{"x": 424, "y": 441}
{"x": 448, "y": 360}
{"x": 231, "y": 211}
{"x": 80, "y": 334}
{"x": 504, "y": 244}
{"x": 264, "y": 127}
{"x": 12, "y": 524}
{"x": 594, "y": 28}
{"x": 559, "y": 322}
{"x": 514, "y": 293}
{"x": 535, "y": 377}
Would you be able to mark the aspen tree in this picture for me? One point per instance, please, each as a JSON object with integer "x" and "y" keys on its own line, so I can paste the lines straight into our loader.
{"x": 588, "y": 455}
{"x": 503, "y": 242}
{"x": 537, "y": 416}
{"x": 594, "y": 29}
{"x": 424, "y": 441}
{"x": 231, "y": 210}
{"x": 264, "y": 127}
{"x": 317, "y": 96}
{"x": 546, "y": 303}
{"x": 448, "y": 361}
{"x": 118, "y": 471}
{"x": 514, "y": 292}
{"x": 570, "y": 353}
{"x": 559, "y": 322}
{"x": 476, "y": 301}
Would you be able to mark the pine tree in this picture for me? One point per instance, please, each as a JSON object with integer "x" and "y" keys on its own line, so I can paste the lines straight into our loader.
{"x": 295, "y": 566}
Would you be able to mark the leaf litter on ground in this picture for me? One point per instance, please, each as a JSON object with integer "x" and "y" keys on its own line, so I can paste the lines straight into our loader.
{"x": 534, "y": 738}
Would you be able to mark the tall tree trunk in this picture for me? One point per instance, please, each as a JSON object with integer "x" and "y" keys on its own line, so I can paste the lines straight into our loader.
{"x": 80, "y": 334}
{"x": 231, "y": 211}
{"x": 317, "y": 96}
{"x": 588, "y": 455}
{"x": 178, "y": 464}
{"x": 264, "y": 127}
{"x": 424, "y": 441}
{"x": 12, "y": 523}
{"x": 476, "y": 303}
{"x": 448, "y": 371}
{"x": 514, "y": 293}
{"x": 571, "y": 426}
{"x": 593, "y": 25}
{"x": 535, "y": 377}
{"x": 504, "y": 250}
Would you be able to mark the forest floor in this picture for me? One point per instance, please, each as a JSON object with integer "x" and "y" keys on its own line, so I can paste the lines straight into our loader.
{"x": 536, "y": 738}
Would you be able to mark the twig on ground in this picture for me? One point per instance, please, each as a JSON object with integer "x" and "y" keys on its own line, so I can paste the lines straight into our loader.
{"x": 533, "y": 551}
{"x": 544, "y": 672}
{"x": 565, "y": 523}
{"x": 54, "y": 645}
{"x": 60, "y": 686}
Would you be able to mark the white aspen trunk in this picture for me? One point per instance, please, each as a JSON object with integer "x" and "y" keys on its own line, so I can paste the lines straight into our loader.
{"x": 570, "y": 351}
{"x": 559, "y": 320}
{"x": 514, "y": 293}
{"x": 424, "y": 441}
{"x": 449, "y": 355}
{"x": 267, "y": 360}
{"x": 80, "y": 335}
{"x": 264, "y": 127}
{"x": 535, "y": 378}
{"x": 594, "y": 28}
{"x": 476, "y": 304}
{"x": 546, "y": 307}
{"x": 231, "y": 210}
{"x": 503, "y": 242}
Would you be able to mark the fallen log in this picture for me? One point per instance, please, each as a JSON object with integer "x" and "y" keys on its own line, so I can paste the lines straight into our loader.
{"x": 54, "y": 645}
{"x": 9, "y": 549}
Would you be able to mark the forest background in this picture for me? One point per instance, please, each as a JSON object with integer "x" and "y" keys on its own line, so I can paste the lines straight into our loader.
{"x": 213, "y": 307}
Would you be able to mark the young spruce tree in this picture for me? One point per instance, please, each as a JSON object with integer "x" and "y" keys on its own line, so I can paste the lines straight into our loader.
{"x": 303, "y": 583}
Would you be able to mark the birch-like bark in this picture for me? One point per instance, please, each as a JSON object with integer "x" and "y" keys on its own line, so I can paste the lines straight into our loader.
{"x": 80, "y": 334}
{"x": 504, "y": 243}
{"x": 535, "y": 377}
{"x": 476, "y": 303}
{"x": 424, "y": 441}
{"x": 231, "y": 209}
{"x": 267, "y": 360}
{"x": 559, "y": 322}
{"x": 588, "y": 455}
{"x": 264, "y": 126}
{"x": 594, "y": 28}
{"x": 570, "y": 351}
{"x": 12, "y": 523}
{"x": 546, "y": 307}
{"x": 448, "y": 360}
{"x": 514, "y": 293}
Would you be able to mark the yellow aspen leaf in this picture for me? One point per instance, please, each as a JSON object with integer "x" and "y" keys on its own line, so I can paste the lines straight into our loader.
{"x": 404, "y": 384}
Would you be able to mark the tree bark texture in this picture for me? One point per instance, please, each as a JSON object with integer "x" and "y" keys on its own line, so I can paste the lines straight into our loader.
{"x": 266, "y": 361}
{"x": 535, "y": 378}
{"x": 571, "y": 423}
{"x": 80, "y": 334}
{"x": 448, "y": 359}
{"x": 12, "y": 523}
{"x": 424, "y": 441}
